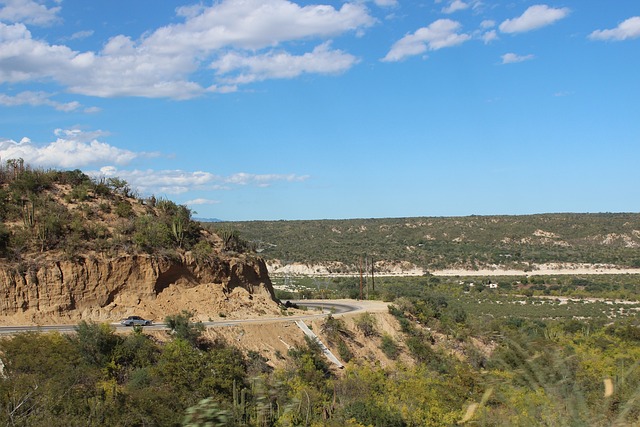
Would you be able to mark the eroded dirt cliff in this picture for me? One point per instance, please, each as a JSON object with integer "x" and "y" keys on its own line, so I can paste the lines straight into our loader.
{"x": 92, "y": 288}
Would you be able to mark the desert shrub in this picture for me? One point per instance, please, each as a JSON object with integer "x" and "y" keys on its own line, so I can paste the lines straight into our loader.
{"x": 124, "y": 209}
{"x": 372, "y": 414}
{"x": 367, "y": 324}
{"x": 310, "y": 363}
{"x": 334, "y": 329}
{"x": 5, "y": 239}
{"x": 202, "y": 251}
{"x": 151, "y": 234}
{"x": 389, "y": 347}
{"x": 96, "y": 342}
{"x": 344, "y": 351}
{"x": 181, "y": 327}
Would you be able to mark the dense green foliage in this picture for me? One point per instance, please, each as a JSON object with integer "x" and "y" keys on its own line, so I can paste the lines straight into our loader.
{"x": 437, "y": 243}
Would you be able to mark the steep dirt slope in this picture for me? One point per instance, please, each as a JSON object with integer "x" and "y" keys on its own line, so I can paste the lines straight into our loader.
{"x": 108, "y": 289}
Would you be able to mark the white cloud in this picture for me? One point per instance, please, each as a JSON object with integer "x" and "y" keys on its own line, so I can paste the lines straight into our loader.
{"x": 272, "y": 65}
{"x": 454, "y": 6}
{"x": 201, "y": 201}
{"x": 628, "y": 29}
{"x": 40, "y": 98}
{"x": 256, "y": 24}
{"x": 264, "y": 180}
{"x": 487, "y": 23}
{"x": 79, "y": 35}
{"x": 27, "y": 11}
{"x": 162, "y": 62}
{"x": 72, "y": 149}
{"x": 164, "y": 181}
{"x": 510, "y": 58}
{"x": 439, "y": 34}
{"x": 22, "y": 58}
{"x": 534, "y": 17}
{"x": 386, "y": 3}
{"x": 179, "y": 181}
{"x": 489, "y": 36}
{"x": 190, "y": 11}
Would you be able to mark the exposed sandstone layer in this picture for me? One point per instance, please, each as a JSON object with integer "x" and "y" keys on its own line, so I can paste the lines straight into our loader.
{"x": 108, "y": 289}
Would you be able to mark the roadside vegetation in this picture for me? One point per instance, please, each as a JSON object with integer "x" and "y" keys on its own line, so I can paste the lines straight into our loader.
{"x": 447, "y": 366}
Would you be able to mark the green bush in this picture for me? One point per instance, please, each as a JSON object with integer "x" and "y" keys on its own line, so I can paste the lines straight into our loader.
{"x": 181, "y": 327}
{"x": 389, "y": 347}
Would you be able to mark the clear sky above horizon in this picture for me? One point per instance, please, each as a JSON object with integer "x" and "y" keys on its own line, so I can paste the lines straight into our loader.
{"x": 274, "y": 109}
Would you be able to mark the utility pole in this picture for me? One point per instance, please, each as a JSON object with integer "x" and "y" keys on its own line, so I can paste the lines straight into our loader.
{"x": 373, "y": 283}
{"x": 366, "y": 278}
{"x": 360, "y": 268}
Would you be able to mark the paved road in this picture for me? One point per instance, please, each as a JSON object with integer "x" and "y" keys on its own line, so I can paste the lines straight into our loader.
{"x": 316, "y": 308}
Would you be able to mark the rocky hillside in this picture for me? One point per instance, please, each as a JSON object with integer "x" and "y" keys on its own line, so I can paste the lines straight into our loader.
{"x": 75, "y": 248}
{"x": 438, "y": 243}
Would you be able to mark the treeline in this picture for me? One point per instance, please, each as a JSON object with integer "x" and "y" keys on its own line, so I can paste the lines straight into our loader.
{"x": 462, "y": 369}
{"x": 440, "y": 242}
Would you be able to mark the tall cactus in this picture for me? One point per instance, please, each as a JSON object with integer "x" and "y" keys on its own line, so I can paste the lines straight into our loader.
{"x": 239, "y": 403}
{"x": 229, "y": 238}
{"x": 28, "y": 213}
{"x": 177, "y": 227}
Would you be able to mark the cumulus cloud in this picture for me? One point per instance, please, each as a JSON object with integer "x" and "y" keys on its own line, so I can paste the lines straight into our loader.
{"x": 534, "y": 17}
{"x": 162, "y": 181}
{"x": 256, "y": 24}
{"x": 439, "y": 34}
{"x": 277, "y": 65}
{"x": 201, "y": 201}
{"x": 179, "y": 181}
{"x": 454, "y": 6}
{"x": 27, "y": 11}
{"x": 74, "y": 148}
{"x": 510, "y": 58}
{"x": 71, "y": 149}
{"x": 489, "y": 36}
{"x": 23, "y": 58}
{"x": 628, "y": 29}
{"x": 163, "y": 62}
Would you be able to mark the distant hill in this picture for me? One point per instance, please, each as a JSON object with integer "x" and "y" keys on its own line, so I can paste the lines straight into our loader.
{"x": 435, "y": 243}
{"x": 207, "y": 219}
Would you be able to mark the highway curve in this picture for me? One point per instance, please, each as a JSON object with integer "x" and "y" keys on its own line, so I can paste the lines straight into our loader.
{"x": 316, "y": 308}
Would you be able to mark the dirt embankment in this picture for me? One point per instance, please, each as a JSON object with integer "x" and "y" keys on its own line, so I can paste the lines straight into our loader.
{"x": 106, "y": 290}
{"x": 273, "y": 340}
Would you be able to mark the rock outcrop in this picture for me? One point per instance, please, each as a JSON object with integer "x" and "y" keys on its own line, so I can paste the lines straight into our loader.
{"x": 108, "y": 289}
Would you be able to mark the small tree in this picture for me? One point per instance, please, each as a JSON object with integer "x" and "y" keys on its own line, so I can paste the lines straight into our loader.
{"x": 181, "y": 327}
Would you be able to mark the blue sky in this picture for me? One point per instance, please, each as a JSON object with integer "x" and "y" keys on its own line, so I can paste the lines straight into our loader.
{"x": 252, "y": 110}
